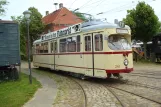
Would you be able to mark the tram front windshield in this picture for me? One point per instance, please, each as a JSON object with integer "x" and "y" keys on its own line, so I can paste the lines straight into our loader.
{"x": 118, "y": 42}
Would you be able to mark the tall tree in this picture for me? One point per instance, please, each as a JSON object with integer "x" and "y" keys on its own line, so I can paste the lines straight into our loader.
{"x": 160, "y": 27}
{"x": 36, "y": 27}
{"x": 80, "y": 15}
{"x": 143, "y": 22}
{"x": 2, "y": 4}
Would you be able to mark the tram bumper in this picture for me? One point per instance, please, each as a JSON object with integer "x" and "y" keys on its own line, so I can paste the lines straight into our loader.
{"x": 126, "y": 70}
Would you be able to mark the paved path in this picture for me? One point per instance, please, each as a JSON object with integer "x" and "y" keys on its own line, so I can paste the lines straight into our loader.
{"x": 45, "y": 96}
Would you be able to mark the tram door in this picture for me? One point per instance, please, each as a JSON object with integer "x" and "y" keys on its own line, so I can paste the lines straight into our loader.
{"x": 88, "y": 55}
{"x": 53, "y": 46}
{"x": 55, "y": 51}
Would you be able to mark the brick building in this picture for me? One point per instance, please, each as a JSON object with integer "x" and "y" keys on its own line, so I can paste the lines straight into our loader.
{"x": 59, "y": 19}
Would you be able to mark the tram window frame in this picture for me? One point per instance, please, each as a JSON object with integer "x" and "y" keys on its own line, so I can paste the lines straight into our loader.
{"x": 41, "y": 48}
{"x": 55, "y": 46}
{"x": 51, "y": 47}
{"x": 78, "y": 43}
{"x": 72, "y": 44}
{"x": 37, "y": 48}
{"x": 87, "y": 43}
{"x": 100, "y": 42}
{"x": 62, "y": 48}
{"x": 45, "y": 47}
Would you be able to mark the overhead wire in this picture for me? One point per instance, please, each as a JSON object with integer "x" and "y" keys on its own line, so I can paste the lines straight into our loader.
{"x": 83, "y": 5}
{"x": 97, "y": 5}
{"x": 92, "y": 3}
{"x": 121, "y": 7}
{"x": 73, "y": 3}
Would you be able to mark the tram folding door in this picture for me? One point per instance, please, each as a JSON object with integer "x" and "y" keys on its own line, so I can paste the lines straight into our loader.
{"x": 88, "y": 55}
{"x": 93, "y": 57}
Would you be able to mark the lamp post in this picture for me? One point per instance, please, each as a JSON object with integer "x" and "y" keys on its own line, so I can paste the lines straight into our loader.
{"x": 27, "y": 17}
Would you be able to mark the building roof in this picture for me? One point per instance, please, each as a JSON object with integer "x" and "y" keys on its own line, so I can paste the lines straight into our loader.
{"x": 61, "y": 16}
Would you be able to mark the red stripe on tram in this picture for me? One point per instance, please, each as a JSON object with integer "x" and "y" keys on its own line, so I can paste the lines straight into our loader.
{"x": 121, "y": 52}
{"x": 126, "y": 70}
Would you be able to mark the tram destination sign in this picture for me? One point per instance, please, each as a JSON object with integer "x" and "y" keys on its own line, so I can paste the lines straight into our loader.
{"x": 62, "y": 32}
{"x": 122, "y": 31}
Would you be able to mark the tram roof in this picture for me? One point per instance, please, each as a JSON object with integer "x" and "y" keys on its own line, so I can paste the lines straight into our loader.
{"x": 90, "y": 26}
{"x": 94, "y": 25}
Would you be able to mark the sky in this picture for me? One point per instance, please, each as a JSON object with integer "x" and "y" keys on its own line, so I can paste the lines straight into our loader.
{"x": 112, "y": 9}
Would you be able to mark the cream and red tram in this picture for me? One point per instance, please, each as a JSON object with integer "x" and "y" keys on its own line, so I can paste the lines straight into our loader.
{"x": 92, "y": 49}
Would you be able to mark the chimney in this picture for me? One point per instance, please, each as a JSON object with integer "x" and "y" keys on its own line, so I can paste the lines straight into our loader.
{"x": 47, "y": 12}
{"x": 60, "y": 5}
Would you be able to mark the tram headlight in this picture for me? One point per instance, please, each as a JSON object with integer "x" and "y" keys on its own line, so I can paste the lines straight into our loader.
{"x": 126, "y": 62}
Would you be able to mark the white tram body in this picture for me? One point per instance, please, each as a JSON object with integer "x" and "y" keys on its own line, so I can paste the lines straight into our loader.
{"x": 93, "y": 49}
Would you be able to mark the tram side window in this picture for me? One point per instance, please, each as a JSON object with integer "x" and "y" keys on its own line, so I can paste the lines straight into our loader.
{"x": 41, "y": 49}
{"x": 98, "y": 42}
{"x": 51, "y": 47}
{"x": 55, "y": 47}
{"x": 46, "y": 47}
{"x": 37, "y": 48}
{"x": 71, "y": 44}
{"x": 78, "y": 43}
{"x": 88, "y": 43}
{"x": 62, "y": 45}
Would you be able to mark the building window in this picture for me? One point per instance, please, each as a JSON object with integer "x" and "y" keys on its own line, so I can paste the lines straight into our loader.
{"x": 49, "y": 31}
{"x": 62, "y": 45}
{"x": 78, "y": 43}
{"x": 98, "y": 42}
{"x": 88, "y": 43}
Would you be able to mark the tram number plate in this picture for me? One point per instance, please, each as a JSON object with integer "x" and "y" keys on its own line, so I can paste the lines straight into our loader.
{"x": 117, "y": 66}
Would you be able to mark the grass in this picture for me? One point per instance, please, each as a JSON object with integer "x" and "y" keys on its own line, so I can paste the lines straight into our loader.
{"x": 17, "y": 93}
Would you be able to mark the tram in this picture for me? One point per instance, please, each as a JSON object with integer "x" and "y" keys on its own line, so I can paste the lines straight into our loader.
{"x": 90, "y": 49}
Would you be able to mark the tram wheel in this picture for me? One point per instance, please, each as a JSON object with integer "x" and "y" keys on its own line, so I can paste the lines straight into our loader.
{"x": 109, "y": 75}
{"x": 117, "y": 75}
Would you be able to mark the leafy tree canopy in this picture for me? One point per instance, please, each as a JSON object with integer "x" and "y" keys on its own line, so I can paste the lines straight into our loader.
{"x": 2, "y": 4}
{"x": 80, "y": 15}
{"x": 143, "y": 22}
{"x": 36, "y": 27}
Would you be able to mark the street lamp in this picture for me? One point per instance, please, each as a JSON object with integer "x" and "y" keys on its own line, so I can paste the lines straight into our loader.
{"x": 27, "y": 15}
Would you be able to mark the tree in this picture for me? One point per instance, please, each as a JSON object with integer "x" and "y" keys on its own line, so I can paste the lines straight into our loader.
{"x": 160, "y": 27}
{"x": 36, "y": 27}
{"x": 143, "y": 22}
{"x": 2, "y": 4}
{"x": 80, "y": 15}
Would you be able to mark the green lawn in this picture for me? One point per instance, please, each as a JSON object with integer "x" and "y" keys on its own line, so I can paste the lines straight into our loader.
{"x": 17, "y": 93}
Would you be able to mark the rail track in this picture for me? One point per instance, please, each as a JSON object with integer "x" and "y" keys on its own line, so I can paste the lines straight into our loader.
{"x": 150, "y": 75}
{"x": 114, "y": 94}
{"x": 149, "y": 99}
{"x": 139, "y": 84}
{"x": 84, "y": 94}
